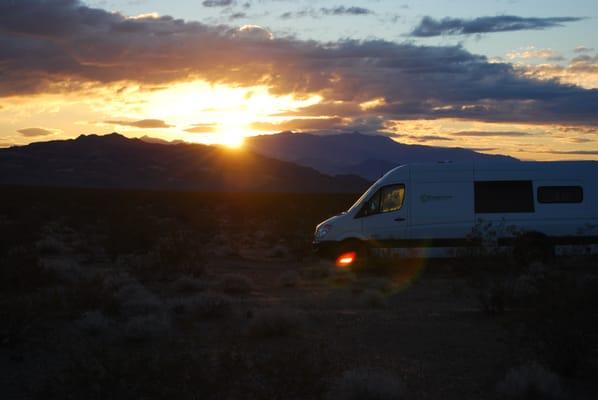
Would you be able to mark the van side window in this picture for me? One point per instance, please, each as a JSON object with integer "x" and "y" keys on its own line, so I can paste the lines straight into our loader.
{"x": 560, "y": 194}
{"x": 504, "y": 196}
{"x": 392, "y": 198}
{"x": 387, "y": 199}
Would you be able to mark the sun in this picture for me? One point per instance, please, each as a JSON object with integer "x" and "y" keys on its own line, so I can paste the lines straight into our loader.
{"x": 232, "y": 139}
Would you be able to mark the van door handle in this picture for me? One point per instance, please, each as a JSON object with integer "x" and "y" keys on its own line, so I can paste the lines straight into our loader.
{"x": 399, "y": 219}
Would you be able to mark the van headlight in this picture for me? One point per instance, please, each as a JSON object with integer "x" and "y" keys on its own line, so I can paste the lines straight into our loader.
{"x": 322, "y": 231}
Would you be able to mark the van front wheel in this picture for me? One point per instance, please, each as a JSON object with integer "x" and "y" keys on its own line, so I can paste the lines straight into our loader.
{"x": 352, "y": 253}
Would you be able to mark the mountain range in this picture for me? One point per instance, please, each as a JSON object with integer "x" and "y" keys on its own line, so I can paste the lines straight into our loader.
{"x": 285, "y": 162}
{"x": 368, "y": 156}
{"x": 114, "y": 161}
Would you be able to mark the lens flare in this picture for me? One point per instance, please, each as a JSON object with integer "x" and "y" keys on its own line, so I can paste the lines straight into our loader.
{"x": 346, "y": 259}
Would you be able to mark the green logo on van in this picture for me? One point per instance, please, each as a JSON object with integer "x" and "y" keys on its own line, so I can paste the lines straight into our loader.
{"x": 430, "y": 197}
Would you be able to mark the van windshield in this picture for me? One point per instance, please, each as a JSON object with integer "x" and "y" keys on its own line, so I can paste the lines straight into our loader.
{"x": 362, "y": 198}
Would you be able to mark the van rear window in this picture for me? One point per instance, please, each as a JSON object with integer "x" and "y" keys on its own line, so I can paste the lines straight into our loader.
{"x": 504, "y": 197}
{"x": 560, "y": 194}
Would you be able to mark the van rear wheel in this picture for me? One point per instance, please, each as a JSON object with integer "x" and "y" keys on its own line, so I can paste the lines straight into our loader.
{"x": 531, "y": 247}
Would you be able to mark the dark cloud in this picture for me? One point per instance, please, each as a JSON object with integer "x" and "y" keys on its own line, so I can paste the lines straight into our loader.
{"x": 582, "y": 49}
{"x": 429, "y": 26}
{"x": 65, "y": 45}
{"x": 426, "y": 138}
{"x": 574, "y": 152}
{"x": 33, "y": 132}
{"x": 325, "y": 11}
{"x": 304, "y": 124}
{"x": 218, "y": 3}
{"x": 237, "y": 15}
{"x": 202, "y": 128}
{"x": 581, "y": 140}
{"x": 144, "y": 123}
{"x": 342, "y": 10}
{"x": 490, "y": 133}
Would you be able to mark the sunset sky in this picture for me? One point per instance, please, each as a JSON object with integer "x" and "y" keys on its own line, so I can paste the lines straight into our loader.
{"x": 516, "y": 77}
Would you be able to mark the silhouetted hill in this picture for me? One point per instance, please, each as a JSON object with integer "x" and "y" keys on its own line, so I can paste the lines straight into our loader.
{"x": 368, "y": 156}
{"x": 114, "y": 161}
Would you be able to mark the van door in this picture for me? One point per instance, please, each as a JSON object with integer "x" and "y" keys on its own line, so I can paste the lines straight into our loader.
{"x": 385, "y": 216}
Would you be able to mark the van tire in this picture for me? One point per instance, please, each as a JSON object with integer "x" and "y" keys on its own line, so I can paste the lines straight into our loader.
{"x": 533, "y": 247}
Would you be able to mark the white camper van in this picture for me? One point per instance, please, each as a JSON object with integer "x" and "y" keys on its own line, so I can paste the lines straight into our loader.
{"x": 434, "y": 210}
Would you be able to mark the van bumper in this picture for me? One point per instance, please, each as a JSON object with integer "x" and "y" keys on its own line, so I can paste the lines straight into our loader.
{"x": 325, "y": 249}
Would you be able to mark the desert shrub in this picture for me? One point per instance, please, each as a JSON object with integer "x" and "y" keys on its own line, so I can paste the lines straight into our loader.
{"x": 366, "y": 384}
{"x": 50, "y": 245}
{"x": 135, "y": 299}
{"x": 188, "y": 284}
{"x": 180, "y": 252}
{"x": 127, "y": 231}
{"x": 291, "y": 372}
{"x": 202, "y": 306}
{"x": 380, "y": 284}
{"x": 563, "y": 323}
{"x": 530, "y": 382}
{"x": 315, "y": 272}
{"x": 289, "y": 279}
{"x": 278, "y": 251}
{"x": 67, "y": 270}
{"x": 118, "y": 279}
{"x": 21, "y": 270}
{"x": 494, "y": 297}
{"x": 342, "y": 277}
{"x": 131, "y": 372}
{"x": 94, "y": 323}
{"x": 235, "y": 284}
{"x": 373, "y": 299}
{"x": 90, "y": 293}
{"x": 276, "y": 322}
{"x": 146, "y": 327}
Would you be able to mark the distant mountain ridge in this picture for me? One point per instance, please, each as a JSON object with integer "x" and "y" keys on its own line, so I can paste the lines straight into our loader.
{"x": 368, "y": 156}
{"x": 114, "y": 161}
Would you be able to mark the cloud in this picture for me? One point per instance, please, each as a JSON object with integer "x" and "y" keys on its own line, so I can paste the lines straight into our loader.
{"x": 202, "y": 128}
{"x": 583, "y": 49}
{"x": 65, "y": 46}
{"x": 327, "y": 11}
{"x": 34, "y": 132}
{"x": 218, "y": 3}
{"x": 237, "y": 15}
{"x": 304, "y": 124}
{"x": 491, "y": 133}
{"x": 532, "y": 52}
{"x": 144, "y": 123}
{"x": 342, "y": 10}
{"x": 581, "y": 70}
{"x": 574, "y": 152}
{"x": 429, "y": 27}
{"x": 426, "y": 138}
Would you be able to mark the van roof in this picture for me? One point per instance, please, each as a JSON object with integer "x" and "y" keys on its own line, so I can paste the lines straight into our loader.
{"x": 561, "y": 166}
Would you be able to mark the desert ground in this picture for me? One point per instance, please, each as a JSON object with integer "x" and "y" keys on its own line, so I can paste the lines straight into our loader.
{"x": 155, "y": 295}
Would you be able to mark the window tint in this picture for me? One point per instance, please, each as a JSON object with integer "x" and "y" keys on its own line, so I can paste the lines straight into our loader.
{"x": 504, "y": 197}
{"x": 387, "y": 199}
{"x": 392, "y": 198}
{"x": 560, "y": 194}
